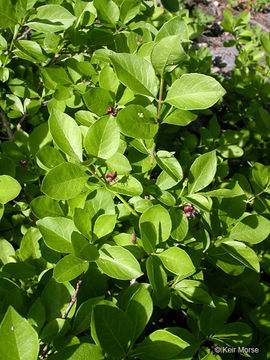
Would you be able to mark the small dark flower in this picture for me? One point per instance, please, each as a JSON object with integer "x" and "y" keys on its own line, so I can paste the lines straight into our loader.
{"x": 24, "y": 164}
{"x": 111, "y": 177}
{"x": 133, "y": 238}
{"x": 112, "y": 111}
{"x": 138, "y": 40}
{"x": 190, "y": 211}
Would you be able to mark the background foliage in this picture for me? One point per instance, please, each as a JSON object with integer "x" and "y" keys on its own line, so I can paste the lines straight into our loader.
{"x": 134, "y": 183}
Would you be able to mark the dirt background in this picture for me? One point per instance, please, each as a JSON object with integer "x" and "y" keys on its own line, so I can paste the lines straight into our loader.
{"x": 214, "y": 37}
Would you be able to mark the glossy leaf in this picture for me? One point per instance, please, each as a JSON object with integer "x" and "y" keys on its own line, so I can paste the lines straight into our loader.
{"x": 118, "y": 263}
{"x": 103, "y": 137}
{"x": 135, "y": 73}
{"x": 107, "y": 11}
{"x": 64, "y": 182}
{"x": 9, "y": 188}
{"x": 194, "y": 92}
{"x": 18, "y": 340}
{"x": 137, "y": 122}
{"x": 68, "y": 268}
{"x": 177, "y": 261}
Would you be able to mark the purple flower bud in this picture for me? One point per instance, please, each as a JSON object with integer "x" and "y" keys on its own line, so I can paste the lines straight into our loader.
{"x": 133, "y": 238}
{"x": 190, "y": 211}
{"x": 138, "y": 40}
{"x": 111, "y": 177}
{"x": 112, "y": 111}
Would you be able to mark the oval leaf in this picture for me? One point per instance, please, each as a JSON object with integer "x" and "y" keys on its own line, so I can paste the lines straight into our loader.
{"x": 68, "y": 268}
{"x": 194, "y": 92}
{"x": 9, "y": 188}
{"x": 177, "y": 261}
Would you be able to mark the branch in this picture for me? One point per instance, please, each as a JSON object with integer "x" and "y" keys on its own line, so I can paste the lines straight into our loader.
{"x": 20, "y": 122}
{"x": 73, "y": 299}
{"x": 23, "y": 34}
{"x": 6, "y": 124}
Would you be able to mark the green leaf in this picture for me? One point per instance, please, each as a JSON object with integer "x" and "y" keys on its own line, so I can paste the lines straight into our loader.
{"x": 167, "y": 54}
{"x": 175, "y": 26}
{"x": 136, "y": 73}
{"x": 177, "y": 261}
{"x": 180, "y": 117}
{"x": 82, "y": 220}
{"x": 103, "y": 138}
{"x": 64, "y": 182}
{"x": 159, "y": 217}
{"x": 111, "y": 329}
{"x": 129, "y": 9}
{"x": 29, "y": 246}
{"x": 242, "y": 253}
{"x": 9, "y": 14}
{"x": 159, "y": 345}
{"x": 158, "y": 280}
{"x": 107, "y": 11}
{"x": 48, "y": 157}
{"x": 194, "y": 92}
{"x": 51, "y": 18}
{"x": 118, "y": 263}
{"x": 169, "y": 164}
{"x": 7, "y": 252}
{"x": 30, "y": 51}
{"x": 126, "y": 185}
{"x": 53, "y": 77}
{"x": 66, "y": 134}
{"x": 213, "y": 318}
{"x": 98, "y": 100}
{"x": 82, "y": 249}
{"x": 104, "y": 225}
{"x": 9, "y": 188}
{"x": 56, "y": 305}
{"x": 138, "y": 305}
{"x": 119, "y": 163}
{"x": 79, "y": 352}
{"x": 202, "y": 172}
{"x": 252, "y": 229}
{"x": 68, "y": 268}
{"x": 194, "y": 291}
{"x": 18, "y": 340}
{"x": 179, "y": 224}
{"x": 56, "y": 232}
{"x": 234, "y": 334}
{"x": 137, "y": 122}
{"x": 43, "y": 206}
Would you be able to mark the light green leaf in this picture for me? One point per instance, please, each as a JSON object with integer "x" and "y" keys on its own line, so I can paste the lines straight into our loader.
{"x": 137, "y": 122}
{"x": 202, "y": 172}
{"x": 169, "y": 164}
{"x": 177, "y": 261}
{"x": 56, "y": 232}
{"x": 68, "y": 268}
{"x": 66, "y": 134}
{"x": 180, "y": 117}
{"x": 138, "y": 305}
{"x": 103, "y": 138}
{"x": 175, "y": 26}
{"x": 9, "y": 188}
{"x": 119, "y": 163}
{"x": 51, "y": 18}
{"x": 242, "y": 253}
{"x": 18, "y": 340}
{"x": 43, "y": 206}
{"x": 30, "y": 50}
{"x": 118, "y": 263}
{"x": 48, "y": 157}
{"x": 64, "y": 182}
{"x": 111, "y": 329}
{"x": 126, "y": 185}
{"x": 194, "y": 291}
{"x": 194, "y": 92}
{"x": 107, "y": 11}
{"x": 29, "y": 246}
{"x": 98, "y": 100}
{"x": 9, "y": 14}
{"x": 104, "y": 225}
{"x": 82, "y": 249}
{"x": 159, "y": 217}
{"x": 79, "y": 352}
{"x": 179, "y": 224}
{"x": 160, "y": 345}
{"x": 252, "y": 229}
{"x": 82, "y": 220}
{"x": 167, "y": 54}
{"x": 136, "y": 73}
{"x": 129, "y": 9}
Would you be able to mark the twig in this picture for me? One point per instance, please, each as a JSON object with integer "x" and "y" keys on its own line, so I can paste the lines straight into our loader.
{"x": 6, "y": 124}
{"x": 23, "y": 34}
{"x": 134, "y": 212}
{"x": 20, "y": 122}
{"x": 73, "y": 298}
